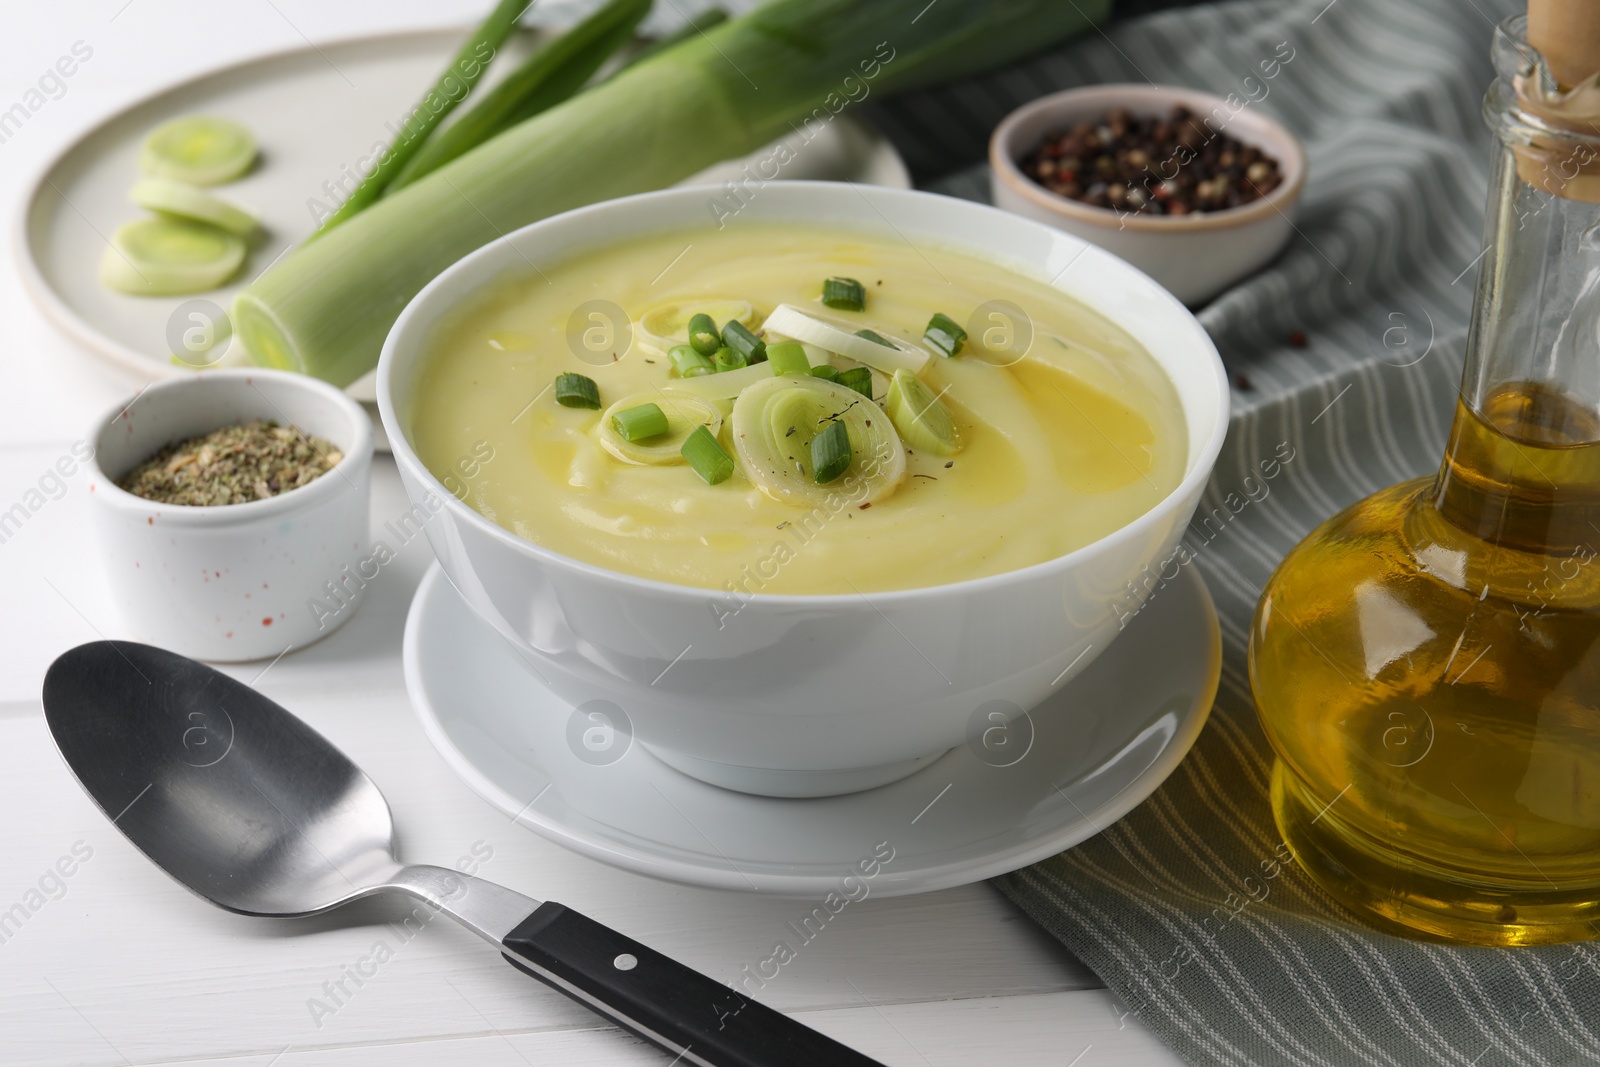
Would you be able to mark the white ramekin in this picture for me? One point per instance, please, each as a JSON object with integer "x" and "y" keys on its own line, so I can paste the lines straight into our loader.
{"x": 808, "y": 695}
{"x": 1194, "y": 256}
{"x": 239, "y": 581}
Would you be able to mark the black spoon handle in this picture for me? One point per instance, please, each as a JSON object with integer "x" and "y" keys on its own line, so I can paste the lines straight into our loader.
{"x": 675, "y": 1007}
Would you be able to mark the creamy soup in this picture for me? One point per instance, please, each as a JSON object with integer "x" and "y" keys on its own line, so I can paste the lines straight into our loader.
{"x": 1033, "y": 454}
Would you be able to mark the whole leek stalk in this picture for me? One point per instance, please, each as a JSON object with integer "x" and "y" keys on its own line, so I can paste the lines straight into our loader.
{"x": 695, "y": 24}
{"x": 552, "y": 74}
{"x": 325, "y": 308}
{"x": 454, "y": 84}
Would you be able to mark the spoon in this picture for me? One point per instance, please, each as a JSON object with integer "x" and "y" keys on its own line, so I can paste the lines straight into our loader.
{"x": 256, "y": 812}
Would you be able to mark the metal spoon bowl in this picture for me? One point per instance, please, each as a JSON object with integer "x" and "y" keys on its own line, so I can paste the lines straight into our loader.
{"x": 250, "y": 808}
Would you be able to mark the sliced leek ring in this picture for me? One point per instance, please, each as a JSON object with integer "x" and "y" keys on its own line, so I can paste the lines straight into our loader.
{"x": 198, "y": 149}
{"x": 921, "y": 418}
{"x": 163, "y": 256}
{"x": 775, "y": 420}
{"x": 816, "y": 355}
{"x": 789, "y": 321}
{"x": 683, "y": 414}
{"x": 167, "y": 197}
{"x": 666, "y": 325}
{"x": 723, "y": 385}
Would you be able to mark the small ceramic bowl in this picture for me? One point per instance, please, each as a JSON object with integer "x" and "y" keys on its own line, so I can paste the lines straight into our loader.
{"x": 237, "y": 581}
{"x": 738, "y": 708}
{"x": 1194, "y": 256}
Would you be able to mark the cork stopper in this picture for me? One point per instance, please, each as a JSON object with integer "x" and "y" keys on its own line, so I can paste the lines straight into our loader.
{"x": 1566, "y": 33}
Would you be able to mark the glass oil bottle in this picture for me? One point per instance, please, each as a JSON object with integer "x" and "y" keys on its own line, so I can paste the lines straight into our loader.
{"x": 1426, "y": 664}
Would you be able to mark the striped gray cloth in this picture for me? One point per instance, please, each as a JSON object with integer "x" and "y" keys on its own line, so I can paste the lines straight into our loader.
{"x": 1386, "y": 95}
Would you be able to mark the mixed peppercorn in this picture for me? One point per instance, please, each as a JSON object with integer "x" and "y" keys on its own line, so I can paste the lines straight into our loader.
{"x": 1153, "y": 166}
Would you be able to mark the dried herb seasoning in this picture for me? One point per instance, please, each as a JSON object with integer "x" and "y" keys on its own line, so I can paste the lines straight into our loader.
{"x": 233, "y": 465}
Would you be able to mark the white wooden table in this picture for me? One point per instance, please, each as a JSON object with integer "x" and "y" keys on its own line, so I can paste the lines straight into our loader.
{"x": 116, "y": 964}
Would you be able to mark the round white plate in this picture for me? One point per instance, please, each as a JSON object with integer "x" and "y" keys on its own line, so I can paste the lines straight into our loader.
{"x": 316, "y": 111}
{"x": 1099, "y": 747}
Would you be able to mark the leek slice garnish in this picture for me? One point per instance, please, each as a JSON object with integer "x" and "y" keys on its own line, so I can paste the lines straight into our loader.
{"x": 665, "y": 325}
{"x": 723, "y": 386}
{"x": 688, "y": 362}
{"x": 775, "y": 422}
{"x": 890, "y": 356}
{"x": 924, "y": 422}
{"x": 788, "y": 357}
{"x": 681, "y": 414}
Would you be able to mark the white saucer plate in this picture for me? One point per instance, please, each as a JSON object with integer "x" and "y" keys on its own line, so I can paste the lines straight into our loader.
{"x": 1097, "y": 749}
{"x": 316, "y": 111}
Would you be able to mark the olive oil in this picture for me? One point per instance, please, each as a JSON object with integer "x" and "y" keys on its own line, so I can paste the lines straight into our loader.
{"x": 1427, "y": 665}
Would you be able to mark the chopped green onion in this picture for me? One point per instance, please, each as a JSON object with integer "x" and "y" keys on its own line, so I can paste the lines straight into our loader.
{"x": 577, "y": 391}
{"x": 944, "y": 335}
{"x": 857, "y": 378}
{"x": 846, "y": 294}
{"x": 729, "y": 359}
{"x": 788, "y": 357}
{"x": 827, "y": 371}
{"x": 875, "y": 338}
{"x": 924, "y": 423}
{"x": 688, "y": 362}
{"x": 737, "y": 336}
{"x": 707, "y": 457}
{"x": 683, "y": 414}
{"x": 665, "y": 325}
{"x": 703, "y": 335}
{"x": 830, "y": 453}
{"x": 640, "y": 423}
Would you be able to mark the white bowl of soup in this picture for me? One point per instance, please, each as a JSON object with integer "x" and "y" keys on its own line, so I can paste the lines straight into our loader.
{"x": 824, "y": 609}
